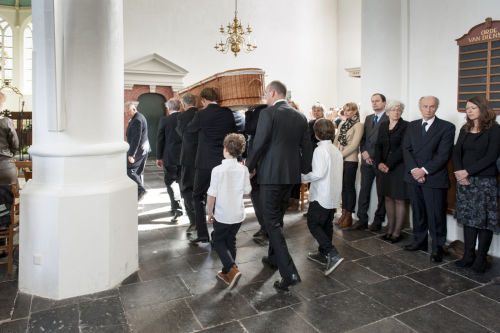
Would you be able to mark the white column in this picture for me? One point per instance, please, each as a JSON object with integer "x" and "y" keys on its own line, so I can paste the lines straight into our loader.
{"x": 79, "y": 213}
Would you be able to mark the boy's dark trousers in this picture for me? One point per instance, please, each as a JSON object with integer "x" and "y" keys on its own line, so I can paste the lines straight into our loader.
{"x": 224, "y": 238}
{"x": 320, "y": 224}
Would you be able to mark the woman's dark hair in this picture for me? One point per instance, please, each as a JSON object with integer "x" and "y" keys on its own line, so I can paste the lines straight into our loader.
{"x": 487, "y": 117}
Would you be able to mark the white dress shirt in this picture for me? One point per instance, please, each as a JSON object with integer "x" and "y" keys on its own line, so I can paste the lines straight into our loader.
{"x": 326, "y": 175}
{"x": 230, "y": 180}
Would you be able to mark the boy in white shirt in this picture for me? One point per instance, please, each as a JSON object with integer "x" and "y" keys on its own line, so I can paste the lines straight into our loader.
{"x": 229, "y": 181}
{"x": 324, "y": 194}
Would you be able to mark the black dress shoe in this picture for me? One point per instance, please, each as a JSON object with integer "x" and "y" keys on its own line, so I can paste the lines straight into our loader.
{"x": 436, "y": 257}
{"x": 199, "y": 240}
{"x": 375, "y": 227}
{"x": 267, "y": 262}
{"x": 284, "y": 283}
{"x": 415, "y": 247}
{"x": 386, "y": 237}
{"x": 191, "y": 229}
{"x": 260, "y": 234}
{"x": 359, "y": 226}
{"x": 395, "y": 239}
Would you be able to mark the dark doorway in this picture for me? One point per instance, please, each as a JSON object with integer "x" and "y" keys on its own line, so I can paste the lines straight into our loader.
{"x": 152, "y": 106}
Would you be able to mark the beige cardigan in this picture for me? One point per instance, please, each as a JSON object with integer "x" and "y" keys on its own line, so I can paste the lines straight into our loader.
{"x": 354, "y": 134}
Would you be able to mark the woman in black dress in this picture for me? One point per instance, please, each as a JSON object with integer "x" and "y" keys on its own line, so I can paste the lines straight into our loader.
{"x": 474, "y": 162}
{"x": 389, "y": 161}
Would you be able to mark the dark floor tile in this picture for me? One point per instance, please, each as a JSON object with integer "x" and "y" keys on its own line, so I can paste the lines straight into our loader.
{"x": 152, "y": 292}
{"x": 443, "y": 281}
{"x": 336, "y": 313}
{"x": 8, "y": 292}
{"x": 387, "y": 325}
{"x": 106, "y": 329}
{"x": 315, "y": 284}
{"x": 63, "y": 319}
{"x": 21, "y": 306}
{"x": 374, "y": 246}
{"x": 232, "y": 327}
{"x": 102, "y": 312}
{"x": 400, "y": 294}
{"x": 174, "y": 316}
{"x": 348, "y": 252}
{"x": 217, "y": 307}
{"x": 146, "y": 237}
{"x": 491, "y": 290}
{"x": 8, "y": 277}
{"x": 15, "y": 326}
{"x": 202, "y": 281}
{"x": 284, "y": 320}
{"x": 475, "y": 307}
{"x": 417, "y": 259}
{"x": 132, "y": 278}
{"x": 159, "y": 268}
{"x": 43, "y": 304}
{"x": 353, "y": 235}
{"x": 204, "y": 261}
{"x": 247, "y": 254}
{"x": 102, "y": 294}
{"x": 436, "y": 318}
{"x": 352, "y": 274}
{"x": 385, "y": 266}
{"x": 492, "y": 272}
{"x": 264, "y": 297}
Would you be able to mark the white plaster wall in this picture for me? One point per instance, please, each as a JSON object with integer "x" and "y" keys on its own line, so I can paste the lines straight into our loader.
{"x": 348, "y": 50}
{"x": 296, "y": 40}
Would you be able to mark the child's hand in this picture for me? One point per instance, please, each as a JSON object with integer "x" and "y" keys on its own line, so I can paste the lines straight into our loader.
{"x": 210, "y": 218}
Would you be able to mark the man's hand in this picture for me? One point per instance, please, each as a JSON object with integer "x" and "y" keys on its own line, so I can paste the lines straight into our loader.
{"x": 464, "y": 181}
{"x": 461, "y": 174}
{"x": 252, "y": 174}
{"x": 421, "y": 180}
{"x": 159, "y": 163}
{"x": 210, "y": 218}
{"x": 366, "y": 156}
{"x": 418, "y": 173}
{"x": 382, "y": 167}
{"x": 131, "y": 159}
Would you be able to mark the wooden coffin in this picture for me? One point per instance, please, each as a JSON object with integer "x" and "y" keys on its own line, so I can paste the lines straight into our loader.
{"x": 236, "y": 88}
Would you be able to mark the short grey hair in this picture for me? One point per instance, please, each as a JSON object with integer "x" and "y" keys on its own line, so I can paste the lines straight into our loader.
{"x": 188, "y": 99}
{"x": 435, "y": 98}
{"x": 173, "y": 104}
{"x": 130, "y": 104}
{"x": 393, "y": 103}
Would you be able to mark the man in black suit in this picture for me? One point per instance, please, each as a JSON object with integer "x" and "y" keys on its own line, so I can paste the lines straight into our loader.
{"x": 137, "y": 154}
{"x": 427, "y": 147}
{"x": 212, "y": 124}
{"x": 369, "y": 170}
{"x": 281, "y": 151}
{"x": 168, "y": 151}
{"x": 188, "y": 156}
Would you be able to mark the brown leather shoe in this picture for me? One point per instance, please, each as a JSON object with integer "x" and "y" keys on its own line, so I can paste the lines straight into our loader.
{"x": 232, "y": 277}
{"x": 341, "y": 218}
{"x": 347, "y": 221}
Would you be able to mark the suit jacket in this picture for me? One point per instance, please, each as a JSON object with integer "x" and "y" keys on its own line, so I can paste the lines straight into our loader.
{"x": 168, "y": 145}
{"x": 370, "y": 135}
{"x": 212, "y": 123}
{"x": 189, "y": 140}
{"x": 251, "y": 121}
{"x": 137, "y": 136}
{"x": 431, "y": 151}
{"x": 388, "y": 149}
{"x": 282, "y": 147}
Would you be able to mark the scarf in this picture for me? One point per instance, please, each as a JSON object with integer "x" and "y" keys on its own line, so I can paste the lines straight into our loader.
{"x": 346, "y": 126}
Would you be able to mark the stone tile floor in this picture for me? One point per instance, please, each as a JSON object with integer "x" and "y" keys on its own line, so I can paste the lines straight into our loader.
{"x": 378, "y": 288}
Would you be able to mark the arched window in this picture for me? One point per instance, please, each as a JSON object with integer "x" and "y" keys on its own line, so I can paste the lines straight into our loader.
{"x": 28, "y": 58}
{"x": 6, "y": 50}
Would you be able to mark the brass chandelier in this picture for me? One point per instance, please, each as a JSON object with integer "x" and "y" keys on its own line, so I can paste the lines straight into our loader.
{"x": 237, "y": 37}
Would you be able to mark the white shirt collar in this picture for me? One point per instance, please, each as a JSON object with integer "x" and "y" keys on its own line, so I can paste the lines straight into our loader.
{"x": 229, "y": 160}
{"x": 429, "y": 122}
{"x": 279, "y": 100}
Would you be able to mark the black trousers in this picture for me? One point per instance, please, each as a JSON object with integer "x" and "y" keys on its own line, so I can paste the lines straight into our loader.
{"x": 368, "y": 174}
{"x": 320, "y": 224}
{"x": 295, "y": 192}
{"x": 255, "y": 197}
{"x": 224, "y": 238}
{"x": 274, "y": 200}
{"x": 135, "y": 170}
{"x": 186, "y": 186}
{"x": 429, "y": 214}
{"x": 349, "y": 186}
{"x": 171, "y": 174}
{"x": 200, "y": 188}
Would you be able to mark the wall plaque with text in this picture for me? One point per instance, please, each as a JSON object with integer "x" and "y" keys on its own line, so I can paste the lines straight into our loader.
{"x": 479, "y": 64}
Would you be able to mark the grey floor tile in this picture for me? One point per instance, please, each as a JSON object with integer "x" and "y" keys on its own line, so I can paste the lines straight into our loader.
{"x": 353, "y": 235}
{"x": 102, "y": 312}
{"x": 417, "y": 259}
{"x": 152, "y": 292}
{"x": 476, "y": 307}
{"x": 492, "y": 272}
{"x": 8, "y": 292}
{"x": 202, "y": 281}
{"x": 280, "y": 321}
{"x": 352, "y": 274}
{"x": 400, "y": 294}
{"x": 106, "y": 329}
{"x": 8, "y": 277}
{"x": 264, "y": 297}
{"x": 159, "y": 268}
{"x": 232, "y": 327}
{"x": 374, "y": 246}
{"x": 348, "y": 252}
{"x": 15, "y": 326}
{"x": 444, "y": 281}
{"x": 387, "y": 325}
{"x": 62, "y": 319}
{"x": 335, "y": 313}
{"x": 491, "y": 290}
{"x": 131, "y": 279}
{"x": 385, "y": 266}
{"x": 174, "y": 316}
{"x": 204, "y": 261}
{"x": 315, "y": 284}
{"x": 43, "y": 304}
{"x": 22, "y": 306}
{"x": 217, "y": 307}
{"x": 436, "y": 318}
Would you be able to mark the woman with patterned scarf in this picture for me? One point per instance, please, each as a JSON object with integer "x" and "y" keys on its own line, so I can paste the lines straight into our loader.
{"x": 347, "y": 141}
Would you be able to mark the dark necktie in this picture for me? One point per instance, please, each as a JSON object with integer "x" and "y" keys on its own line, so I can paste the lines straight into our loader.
{"x": 374, "y": 121}
{"x": 424, "y": 124}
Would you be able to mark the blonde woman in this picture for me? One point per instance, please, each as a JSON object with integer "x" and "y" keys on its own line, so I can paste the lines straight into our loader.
{"x": 347, "y": 141}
